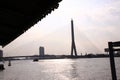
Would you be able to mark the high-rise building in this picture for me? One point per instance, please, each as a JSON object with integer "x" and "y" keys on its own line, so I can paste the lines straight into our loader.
{"x": 41, "y": 51}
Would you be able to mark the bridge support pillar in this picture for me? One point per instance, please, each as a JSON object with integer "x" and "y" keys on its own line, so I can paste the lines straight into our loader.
{"x": 73, "y": 47}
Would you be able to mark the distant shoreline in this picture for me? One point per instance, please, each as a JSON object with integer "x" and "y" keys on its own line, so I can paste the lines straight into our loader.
{"x": 55, "y": 57}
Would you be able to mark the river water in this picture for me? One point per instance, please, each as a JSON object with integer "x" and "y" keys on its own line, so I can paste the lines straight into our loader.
{"x": 60, "y": 69}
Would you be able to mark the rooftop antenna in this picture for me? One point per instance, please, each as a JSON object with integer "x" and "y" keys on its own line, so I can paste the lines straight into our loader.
{"x": 73, "y": 47}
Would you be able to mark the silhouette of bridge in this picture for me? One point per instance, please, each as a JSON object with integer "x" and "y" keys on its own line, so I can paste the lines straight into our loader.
{"x": 20, "y": 57}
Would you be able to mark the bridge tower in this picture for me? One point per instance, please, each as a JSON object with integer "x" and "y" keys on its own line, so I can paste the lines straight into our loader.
{"x": 73, "y": 46}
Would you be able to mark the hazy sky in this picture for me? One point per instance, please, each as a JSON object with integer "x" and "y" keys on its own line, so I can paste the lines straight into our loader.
{"x": 95, "y": 21}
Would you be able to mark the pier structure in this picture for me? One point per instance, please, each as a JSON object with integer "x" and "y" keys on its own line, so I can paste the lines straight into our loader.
{"x": 73, "y": 46}
{"x": 113, "y": 46}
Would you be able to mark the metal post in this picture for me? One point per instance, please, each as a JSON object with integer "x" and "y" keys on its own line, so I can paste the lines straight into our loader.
{"x": 112, "y": 62}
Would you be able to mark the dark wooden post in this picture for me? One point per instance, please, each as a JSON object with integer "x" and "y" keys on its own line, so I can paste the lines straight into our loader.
{"x": 112, "y": 62}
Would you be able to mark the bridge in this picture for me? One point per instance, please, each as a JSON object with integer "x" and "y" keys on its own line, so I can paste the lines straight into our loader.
{"x": 20, "y": 57}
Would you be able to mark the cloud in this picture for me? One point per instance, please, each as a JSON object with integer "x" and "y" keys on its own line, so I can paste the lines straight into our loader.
{"x": 109, "y": 14}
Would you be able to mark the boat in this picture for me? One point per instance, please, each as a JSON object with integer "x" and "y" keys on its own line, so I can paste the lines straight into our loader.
{"x": 2, "y": 66}
{"x": 35, "y": 60}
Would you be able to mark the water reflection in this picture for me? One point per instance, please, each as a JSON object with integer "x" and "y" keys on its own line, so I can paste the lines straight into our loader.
{"x": 61, "y": 69}
{"x": 73, "y": 71}
{"x": 1, "y": 75}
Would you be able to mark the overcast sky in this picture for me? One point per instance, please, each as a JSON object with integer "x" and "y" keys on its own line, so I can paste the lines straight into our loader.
{"x": 95, "y": 21}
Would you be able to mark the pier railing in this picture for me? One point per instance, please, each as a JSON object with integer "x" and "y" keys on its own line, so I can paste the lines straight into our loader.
{"x": 113, "y": 46}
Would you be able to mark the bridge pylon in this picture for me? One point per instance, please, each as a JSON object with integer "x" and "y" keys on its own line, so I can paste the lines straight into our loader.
{"x": 73, "y": 46}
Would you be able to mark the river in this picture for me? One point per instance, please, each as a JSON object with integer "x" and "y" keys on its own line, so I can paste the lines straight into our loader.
{"x": 60, "y": 69}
